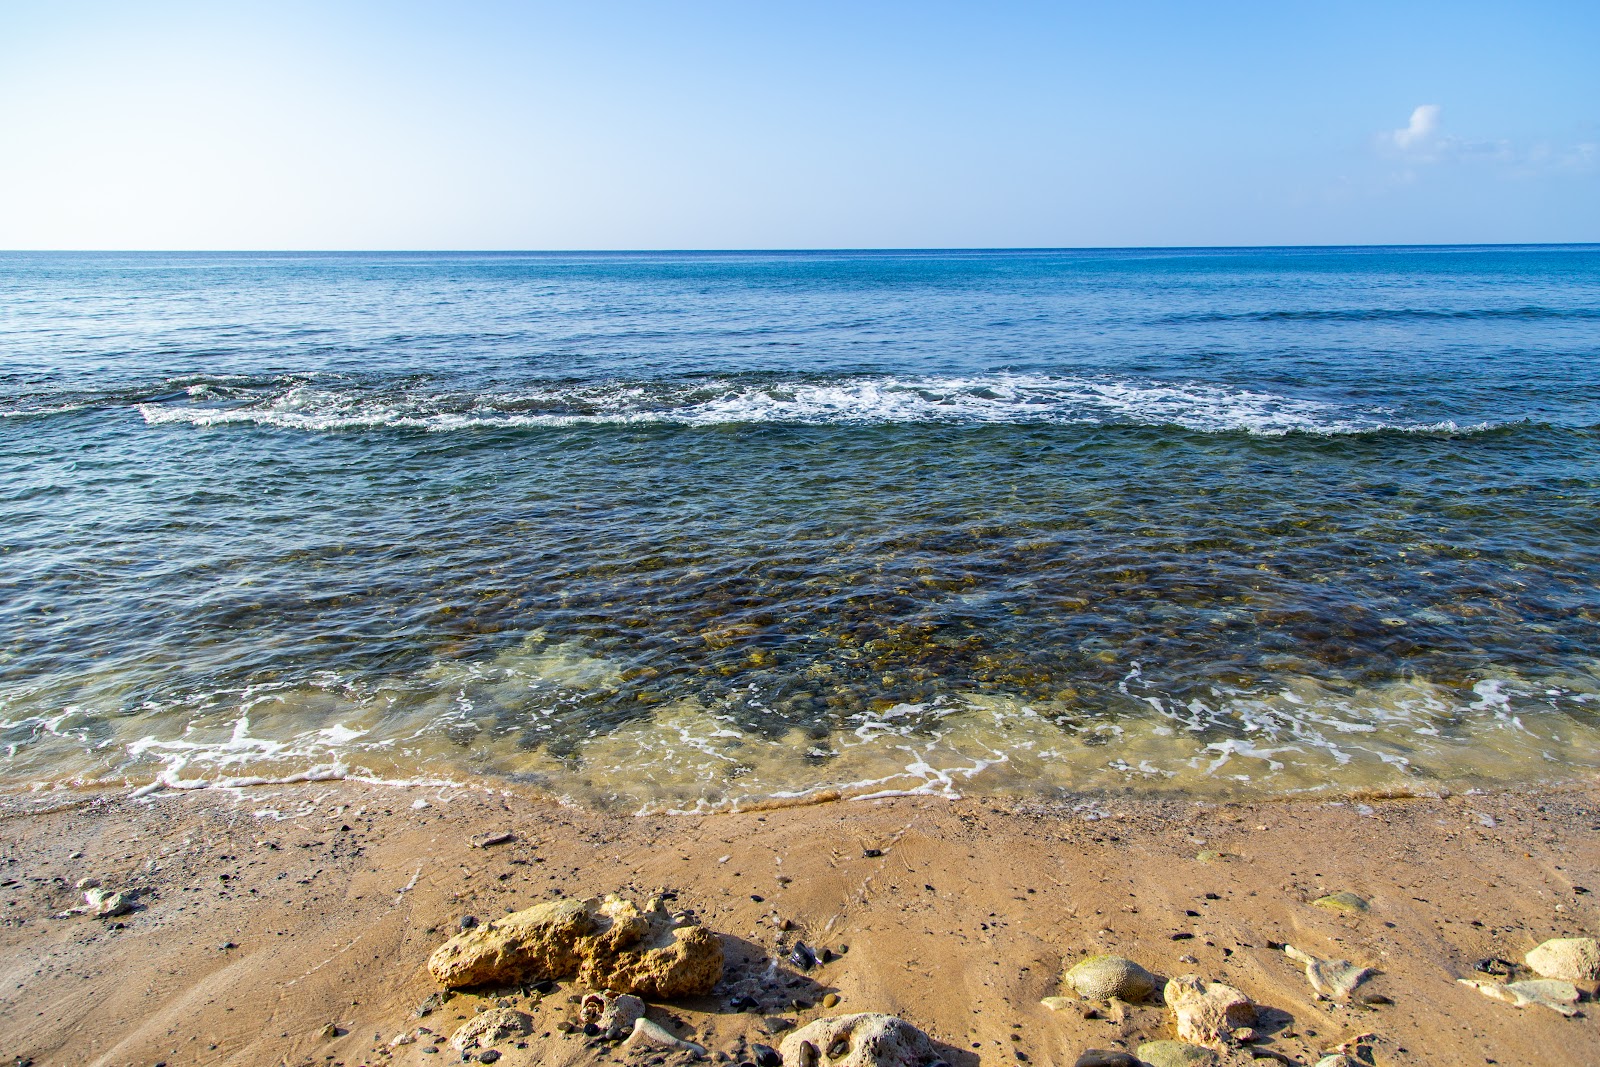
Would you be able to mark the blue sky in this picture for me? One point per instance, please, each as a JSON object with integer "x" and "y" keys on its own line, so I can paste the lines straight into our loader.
{"x": 790, "y": 125}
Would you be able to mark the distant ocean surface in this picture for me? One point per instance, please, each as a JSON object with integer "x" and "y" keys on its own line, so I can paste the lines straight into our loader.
{"x": 678, "y": 531}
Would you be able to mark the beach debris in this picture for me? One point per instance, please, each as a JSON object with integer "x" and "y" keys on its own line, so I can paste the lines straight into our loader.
{"x": 867, "y": 1039}
{"x": 1108, "y": 977}
{"x": 1176, "y": 1054}
{"x": 614, "y": 1015}
{"x": 606, "y": 942}
{"x": 655, "y": 1035}
{"x": 1570, "y": 959}
{"x": 1208, "y": 1013}
{"x": 1345, "y": 902}
{"x": 491, "y": 840}
{"x": 1334, "y": 979}
{"x": 1542, "y": 992}
{"x": 1102, "y": 1057}
{"x": 490, "y": 1028}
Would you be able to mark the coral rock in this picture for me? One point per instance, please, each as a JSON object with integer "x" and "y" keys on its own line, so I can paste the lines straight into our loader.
{"x": 490, "y": 1028}
{"x": 608, "y": 943}
{"x": 864, "y": 1040}
{"x": 1176, "y": 1054}
{"x": 1105, "y": 977}
{"x": 1208, "y": 1012}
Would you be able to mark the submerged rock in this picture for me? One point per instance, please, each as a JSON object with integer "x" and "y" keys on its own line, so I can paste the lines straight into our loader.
{"x": 1176, "y": 1054}
{"x": 607, "y": 942}
{"x": 1542, "y": 992}
{"x": 1335, "y": 979}
{"x": 1108, "y": 977}
{"x": 489, "y": 1028}
{"x": 1569, "y": 959}
{"x": 1348, "y": 903}
{"x": 1208, "y": 1013}
{"x": 867, "y": 1039}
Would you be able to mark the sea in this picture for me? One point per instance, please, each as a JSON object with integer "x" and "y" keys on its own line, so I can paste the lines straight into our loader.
{"x": 687, "y": 531}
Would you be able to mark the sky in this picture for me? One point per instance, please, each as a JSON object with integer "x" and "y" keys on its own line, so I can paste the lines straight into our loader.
{"x": 602, "y": 125}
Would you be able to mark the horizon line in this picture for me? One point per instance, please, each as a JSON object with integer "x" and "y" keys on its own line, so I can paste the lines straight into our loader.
{"x": 819, "y": 249}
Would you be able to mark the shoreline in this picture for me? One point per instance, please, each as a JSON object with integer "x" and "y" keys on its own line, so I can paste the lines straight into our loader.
{"x": 265, "y": 915}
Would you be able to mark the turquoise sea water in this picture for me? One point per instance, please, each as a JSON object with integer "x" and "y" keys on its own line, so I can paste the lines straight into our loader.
{"x": 683, "y": 529}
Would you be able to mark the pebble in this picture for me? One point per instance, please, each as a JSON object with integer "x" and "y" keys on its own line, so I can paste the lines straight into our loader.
{"x": 1335, "y": 979}
{"x": 802, "y": 956}
{"x": 766, "y": 1056}
{"x": 830, "y": 1000}
{"x": 490, "y": 840}
{"x": 1105, "y": 977}
{"x": 468, "y": 922}
{"x": 488, "y": 1056}
{"x": 1176, "y": 1054}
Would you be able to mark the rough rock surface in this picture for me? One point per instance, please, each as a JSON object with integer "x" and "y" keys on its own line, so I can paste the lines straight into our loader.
{"x": 608, "y": 943}
{"x": 1105, "y": 977}
{"x": 863, "y": 1040}
{"x": 1569, "y": 959}
{"x": 489, "y": 1028}
{"x": 1208, "y": 1012}
{"x": 1101, "y": 1057}
{"x": 1176, "y": 1054}
{"x": 1335, "y": 979}
{"x": 614, "y": 1016}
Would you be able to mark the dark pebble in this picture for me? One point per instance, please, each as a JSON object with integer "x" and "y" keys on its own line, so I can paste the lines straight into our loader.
{"x": 744, "y": 1003}
{"x": 758, "y": 899}
{"x": 775, "y": 1026}
{"x": 488, "y": 1056}
{"x": 828, "y": 955}
{"x": 766, "y": 1056}
{"x": 1495, "y": 965}
{"x": 546, "y": 986}
{"x": 1182, "y": 936}
{"x": 591, "y": 1030}
{"x": 1209, "y": 896}
{"x": 872, "y": 853}
{"x": 468, "y": 922}
{"x": 802, "y": 956}
{"x": 1192, "y": 914}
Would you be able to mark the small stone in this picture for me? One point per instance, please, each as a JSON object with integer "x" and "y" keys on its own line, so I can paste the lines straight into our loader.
{"x": 88, "y": 883}
{"x": 872, "y": 853}
{"x": 1334, "y": 979}
{"x": 1569, "y": 959}
{"x": 1100, "y": 1057}
{"x": 104, "y": 904}
{"x": 1495, "y": 966}
{"x": 775, "y": 1026}
{"x": 468, "y": 922}
{"x": 1338, "y": 1059}
{"x": 491, "y": 840}
{"x": 1175, "y": 1054}
{"x": 488, "y": 1056}
{"x": 1545, "y": 993}
{"x": 1348, "y": 903}
{"x": 830, "y": 1000}
{"x": 1059, "y": 1004}
{"x": 1105, "y": 977}
{"x": 766, "y": 1056}
{"x": 330, "y": 1031}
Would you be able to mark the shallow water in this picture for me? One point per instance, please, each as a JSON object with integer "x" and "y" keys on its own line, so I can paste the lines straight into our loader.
{"x": 678, "y": 530}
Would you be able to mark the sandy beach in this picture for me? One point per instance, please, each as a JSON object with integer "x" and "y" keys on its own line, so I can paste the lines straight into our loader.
{"x": 292, "y": 924}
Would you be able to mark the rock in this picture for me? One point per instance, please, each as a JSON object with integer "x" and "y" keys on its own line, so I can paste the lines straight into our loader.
{"x": 491, "y": 840}
{"x": 1100, "y": 1057}
{"x": 1570, "y": 959}
{"x": 774, "y": 1025}
{"x": 489, "y": 1056}
{"x": 867, "y": 1039}
{"x": 1338, "y": 1059}
{"x": 1348, "y": 903}
{"x": 1335, "y": 979}
{"x": 1545, "y": 993}
{"x": 1207, "y": 1012}
{"x": 830, "y": 1000}
{"x": 402, "y": 1039}
{"x": 1212, "y": 856}
{"x": 105, "y": 904}
{"x": 491, "y": 1027}
{"x": 613, "y": 1016}
{"x": 329, "y": 1032}
{"x": 1105, "y": 977}
{"x": 608, "y": 943}
{"x": 1176, "y": 1054}
{"x": 652, "y": 1035}
{"x": 766, "y": 1055}
{"x": 1059, "y": 1004}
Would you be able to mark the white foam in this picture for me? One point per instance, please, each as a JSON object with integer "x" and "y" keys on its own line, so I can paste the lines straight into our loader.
{"x": 980, "y": 399}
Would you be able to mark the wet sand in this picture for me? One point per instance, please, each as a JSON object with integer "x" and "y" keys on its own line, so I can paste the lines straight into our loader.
{"x": 266, "y": 915}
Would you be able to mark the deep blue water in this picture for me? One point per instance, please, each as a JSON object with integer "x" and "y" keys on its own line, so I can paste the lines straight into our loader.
{"x": 668, "y": 528}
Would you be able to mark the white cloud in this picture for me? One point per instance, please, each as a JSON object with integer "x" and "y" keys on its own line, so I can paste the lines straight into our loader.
{"x": 1420, "y": 131}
